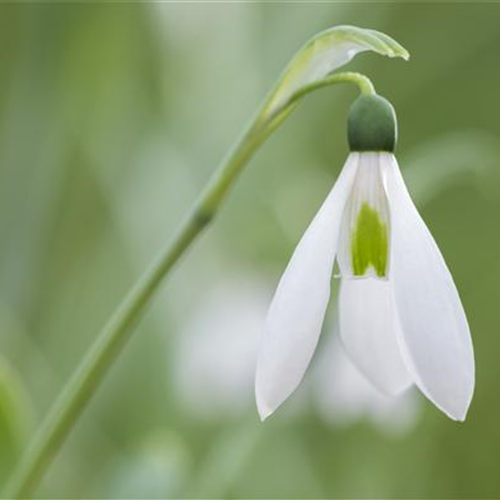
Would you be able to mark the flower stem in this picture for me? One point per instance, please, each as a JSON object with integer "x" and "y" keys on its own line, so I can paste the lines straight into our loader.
{"x": 83, "y": 384}
{"x": 363, "y": 82}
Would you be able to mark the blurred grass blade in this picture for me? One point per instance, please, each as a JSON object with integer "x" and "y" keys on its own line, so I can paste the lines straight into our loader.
{"x": 15, "y": 416}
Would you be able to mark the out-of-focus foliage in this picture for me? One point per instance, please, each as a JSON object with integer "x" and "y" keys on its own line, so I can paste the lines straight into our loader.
{"x": 112, "y": 117}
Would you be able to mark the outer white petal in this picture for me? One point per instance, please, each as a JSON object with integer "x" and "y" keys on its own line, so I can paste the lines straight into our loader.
{"x": 435, "y": 333}
{"x": 369, "y": 331}
{"x": 296, "y": 314}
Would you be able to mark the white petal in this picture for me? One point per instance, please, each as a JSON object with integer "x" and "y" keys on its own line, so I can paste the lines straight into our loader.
{"x": 369, "y": 331}
{"x": 296, "y": 314}
{"x": 435, "y": 333}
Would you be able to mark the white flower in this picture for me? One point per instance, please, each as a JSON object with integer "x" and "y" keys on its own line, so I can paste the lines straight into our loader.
{"x": 215, "y": 353}
{"x": 400, "y": 316}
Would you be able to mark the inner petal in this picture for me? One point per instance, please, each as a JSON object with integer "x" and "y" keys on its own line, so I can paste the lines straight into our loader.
{"x": 365, "y": 231}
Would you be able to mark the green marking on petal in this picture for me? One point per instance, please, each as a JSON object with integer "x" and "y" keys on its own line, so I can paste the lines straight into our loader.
{"x": 369, "y": 242}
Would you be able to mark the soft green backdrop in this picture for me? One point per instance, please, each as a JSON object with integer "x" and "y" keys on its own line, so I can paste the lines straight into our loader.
{"x": 112, "y": 118}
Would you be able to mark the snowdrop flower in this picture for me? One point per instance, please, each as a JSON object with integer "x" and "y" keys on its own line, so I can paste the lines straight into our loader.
{"x": 400, "y": 317}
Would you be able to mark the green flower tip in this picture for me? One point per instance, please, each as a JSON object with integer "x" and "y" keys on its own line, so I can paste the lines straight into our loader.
{"x": 393, "y": 48}
{"x": 372, "y": 125}
{"x": 370, "y": 39}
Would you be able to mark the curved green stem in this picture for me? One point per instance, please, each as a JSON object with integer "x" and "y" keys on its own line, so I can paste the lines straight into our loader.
{"x": 98, "y": 360}
{"x": 364, "y": 84}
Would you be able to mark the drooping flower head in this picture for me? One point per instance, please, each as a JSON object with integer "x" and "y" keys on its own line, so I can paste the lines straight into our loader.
{"x": 400, "y": 316}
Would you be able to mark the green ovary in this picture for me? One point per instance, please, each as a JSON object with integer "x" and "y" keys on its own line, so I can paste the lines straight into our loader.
{"x": 369, "y": 242}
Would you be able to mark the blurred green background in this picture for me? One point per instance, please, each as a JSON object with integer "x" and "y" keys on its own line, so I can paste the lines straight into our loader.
{"x": 112, "y": 118}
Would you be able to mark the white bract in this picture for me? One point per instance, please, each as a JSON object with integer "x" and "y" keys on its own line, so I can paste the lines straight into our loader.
{"x": 324, "y": 53}
{"x": 400, "y": 316}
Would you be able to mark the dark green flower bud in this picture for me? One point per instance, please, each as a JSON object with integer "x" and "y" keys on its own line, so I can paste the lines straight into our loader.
{"x": 372, "y": 125}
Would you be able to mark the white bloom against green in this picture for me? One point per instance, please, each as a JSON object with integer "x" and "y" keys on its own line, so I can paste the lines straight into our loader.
{"x": 400, "y": 316}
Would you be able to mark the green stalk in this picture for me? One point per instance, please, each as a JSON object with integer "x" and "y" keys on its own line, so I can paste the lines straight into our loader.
{"x": 74, "y": 397}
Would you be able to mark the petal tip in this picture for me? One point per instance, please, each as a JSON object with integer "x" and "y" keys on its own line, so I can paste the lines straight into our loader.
{"x": 457, "y": 416}
{"x": 264, "y": 410}
{"x": 460, "y": 414}
{"x": 455, "y": 410}
{"x": 263, "y": 415}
